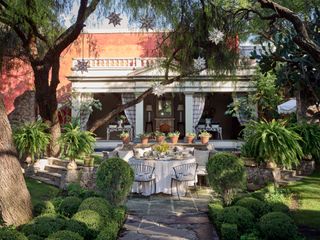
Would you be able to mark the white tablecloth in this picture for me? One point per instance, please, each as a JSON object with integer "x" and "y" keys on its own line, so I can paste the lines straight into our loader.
{"x": 163, "y": 172}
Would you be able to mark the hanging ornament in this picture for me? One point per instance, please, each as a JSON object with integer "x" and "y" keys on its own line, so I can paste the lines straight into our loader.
{"x": 199, "y": 63}
{"x": 158, "y": 89}
{"x": 114, "y": 18}
{"x": 147, "y": 23}
{"x": 82, "y": 66}
{"x": 216, "y": 36}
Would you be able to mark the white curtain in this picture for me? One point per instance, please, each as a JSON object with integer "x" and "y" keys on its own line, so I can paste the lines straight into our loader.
{"x": 85, "y": 109}
{"x": 198, "y": 106}
{"x": 131, "y": 111}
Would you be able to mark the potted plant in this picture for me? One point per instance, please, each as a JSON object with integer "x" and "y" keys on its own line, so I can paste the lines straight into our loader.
{"x": 76, "y": 143}
{"x": 144, "y": 138}
{"x": 125, "y": 137}
{"x": 88, "y": 161}
{"x": 174, "y": 136}
{"x": 120, "y": 121}
{"x": 190, "y": 136}
{"x": 160, "y": 136}
{"x": 204, "y": 137}
{"x": 31, "y": 140}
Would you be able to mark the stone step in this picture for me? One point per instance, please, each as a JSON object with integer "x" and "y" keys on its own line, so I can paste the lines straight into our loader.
{"x": 45, "y": 180}
{"x": 55, "y": 177}
{"x": 287, "y": 174}
{"x": 56, "y": 169}
{"x": 58, "y": 162}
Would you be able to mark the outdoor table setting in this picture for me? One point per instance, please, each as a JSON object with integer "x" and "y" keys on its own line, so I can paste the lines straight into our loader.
{"x": 163, "y": 171}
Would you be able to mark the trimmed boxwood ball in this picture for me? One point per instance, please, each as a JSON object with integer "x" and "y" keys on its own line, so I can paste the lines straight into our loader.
{"x": 64, "y": 235}
{"x": 114, "y": 180}
{"x": 236, "y": 215}
{"x": 11, "y": 234}
{"x": 44, "y": 208}
{"x": 69, "y": 206}
{"x": 277, "y": 225}
{"x": 34, "y": 237}
{"x": 278, "y": 207}
{"x": 109, "y": 232}
{"x": 255, "y": 206}
{"x": 93, "y": 221}
{"x": 98, "y": 204}
{"x": 119, "y": 215}
{"x": 226, "y": 174}
{"x": 215, "y": 209}
{"x": 57, "y": 202}
{"x": 229, "y": 231}
{"x": 75, "y": 226}
{"x": 44, "y": 225}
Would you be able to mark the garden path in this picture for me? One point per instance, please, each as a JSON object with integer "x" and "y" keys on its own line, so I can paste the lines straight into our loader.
{"x": 165, "y": 217}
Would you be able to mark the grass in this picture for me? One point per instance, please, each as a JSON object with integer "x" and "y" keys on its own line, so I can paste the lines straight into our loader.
{"x": 308, "y": 193}
{"x": 40, "y": 191}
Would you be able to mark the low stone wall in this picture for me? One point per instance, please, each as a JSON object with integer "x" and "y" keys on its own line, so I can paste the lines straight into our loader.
{"x": 88, "y": 177}
{"x": 306, "y": 167}
{"x": 258, "y": 177}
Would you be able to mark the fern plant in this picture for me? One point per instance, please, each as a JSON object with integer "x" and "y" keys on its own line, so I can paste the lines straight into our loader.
{"x": 310, "y": 134}
{"x": 273, "y": 141}
{"x": 32, "y": 139}
{"x": 75, "y": 143}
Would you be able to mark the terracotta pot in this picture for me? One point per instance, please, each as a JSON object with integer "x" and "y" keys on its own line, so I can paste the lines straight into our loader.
{"x": 204, "y": 140}
{"x": 189, "y": 139}
{"x": 144, "y": 140}
{"x": 160, "y": 139}
{"x": 125, "y": 140}
{"x": 174, "y": 139}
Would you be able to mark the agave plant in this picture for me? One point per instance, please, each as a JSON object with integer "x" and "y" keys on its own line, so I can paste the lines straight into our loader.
{"x": 273, "y": 141}
{"x": 310, "y": 134}
{"x": 32, "y": 139}
{"x": 75, "y": 142}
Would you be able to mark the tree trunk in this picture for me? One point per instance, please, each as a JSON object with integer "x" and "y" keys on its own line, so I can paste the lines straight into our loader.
{"x": 15, "y": 201}
{"x": 302, "y": 106}
{"x": 47, "y": 102}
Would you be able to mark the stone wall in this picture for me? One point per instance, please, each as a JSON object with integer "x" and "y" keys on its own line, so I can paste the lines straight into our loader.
{"x": 88, "y": 177}
{"x": 258, "y": 177}
{"x": 306, "y": 167}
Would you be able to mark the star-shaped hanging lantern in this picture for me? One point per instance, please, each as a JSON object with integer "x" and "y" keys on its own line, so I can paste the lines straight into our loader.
{"x": 199, "y": 63}
{"x": 158, "y": 89}
{"x": 114, "y": 18}
{"x": 82, "y": 66}
{"x": 147, "y": 23}
{"x": 216, "y": 36}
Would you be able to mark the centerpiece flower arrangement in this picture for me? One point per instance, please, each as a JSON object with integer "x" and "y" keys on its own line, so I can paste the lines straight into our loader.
{"x": 174, "y": 136}
{"x": 162, "y": 148}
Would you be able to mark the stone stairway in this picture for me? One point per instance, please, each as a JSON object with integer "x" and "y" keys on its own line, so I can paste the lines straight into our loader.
{"x": 51, "y": 171}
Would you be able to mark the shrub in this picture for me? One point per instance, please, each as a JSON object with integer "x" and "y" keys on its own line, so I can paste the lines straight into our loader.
{"x": 109, "y": 232}
{"x": 226, "y": 174}
{"x": 44, "y": 225}
{"x": 34, "y": 237}
{"x": 75, "y": 226}
{"x": 93, "y": 221}
{"x": 11, "y": 234}
{"x": 278, "y": 207}
{"x": 229, "y": 231}
{"x": 114, "y": 179}
{"x": 74, "y": 189}
{"x": 119, "y": 215}
{"x": 236, "y": 215}
{"x": 250, "y": 236}
{"x": 277, "y": 225}
{"x": 44, "y": 208}
{"x": 255, "y": 206}
{"x": 99, "y": 205}
{"x": 57, "y": 202}
{"x": 69, "y": 206}
{"x": 64, "y": 235}
{"x": 214, "y": 210}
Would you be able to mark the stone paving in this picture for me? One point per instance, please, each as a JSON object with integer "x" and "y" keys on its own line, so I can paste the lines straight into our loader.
{"x": 165, "y": 217}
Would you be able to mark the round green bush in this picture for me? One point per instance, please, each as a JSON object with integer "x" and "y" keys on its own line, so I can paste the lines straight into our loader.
{"x": 11, "y": 234}
{"x": 69, "y": 206}
{"x": 109, "y": 232}
{"x": 44, "y": 225}
{"x": 236, "y": 215}
{"x": 226, "y": 174}
{"x": 57, "y": 202}
{"x": 93, "y": 221}
{"x": 278, "y": 207}
{"x": 114, "y": 180}
{"x": 64, "y": 235}
{"x": 277, "y": 225}
{"x": 255, "y": 206}
{"x": 34, "y": 237}
{"x": 119, "y": 215}
{"x": 44, "y": 208}
{"x": 75, "y": 226}
{"x": 100, "y": 205}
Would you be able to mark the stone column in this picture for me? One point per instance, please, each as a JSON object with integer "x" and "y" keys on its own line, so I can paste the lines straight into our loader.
{"x": 139, "y": 118}
{"x": 189, "y": 112}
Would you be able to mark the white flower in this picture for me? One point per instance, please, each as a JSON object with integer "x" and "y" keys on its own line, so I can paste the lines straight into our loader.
{"x": 199, "y": 63}
{"x": 158, "y": 89}
{"x": 216, "y": 36}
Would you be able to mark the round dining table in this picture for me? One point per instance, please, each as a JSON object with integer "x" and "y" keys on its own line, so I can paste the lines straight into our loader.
{"x": 163, "y": 172}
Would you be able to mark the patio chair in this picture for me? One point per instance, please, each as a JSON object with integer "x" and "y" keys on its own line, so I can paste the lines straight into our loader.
{"x": 184, "y": 173}
{"x": 143, "y": 174}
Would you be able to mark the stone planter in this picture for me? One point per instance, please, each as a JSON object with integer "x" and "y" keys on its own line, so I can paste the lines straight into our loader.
{"x": 125, "y": 140}
{"x": 204, "y": 140}
{"x": 174, "y": 139}
{"x": 160, "y": 139}
{"x": 189, "y": 139}
{"x": 144, "y": 140}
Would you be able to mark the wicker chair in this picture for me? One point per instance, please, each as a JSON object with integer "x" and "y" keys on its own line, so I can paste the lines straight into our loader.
{"x": 184, "y": 173}
{"x": 144, "y": 173}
